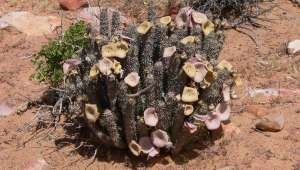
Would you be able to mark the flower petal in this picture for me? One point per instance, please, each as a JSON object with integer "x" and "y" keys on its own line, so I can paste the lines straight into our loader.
{"x": 70, "y": 64}
{"x": 183, "y": 17}
{"x": 200, "y": 117}
{"x": 223, "y": 111}
{"x": 146, "y": 144}
{"x": 169, "y": 52}
{"x": 154, "y": 152}
{"x": 226, "y": 93}
{"x": 150, "y": 117}
{"x": 132, "y": 79}
{"x": 105, "y": 66}
{"x": 160, "y": 139}
{"x": 191, "y": 127}
{"x": 213, "y": 123}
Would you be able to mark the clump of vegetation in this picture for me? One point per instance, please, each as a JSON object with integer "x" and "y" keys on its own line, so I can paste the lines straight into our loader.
{"x": 151, "y": 88}
{"x": 155, "y": 87}
{"x": 49, "y": 61}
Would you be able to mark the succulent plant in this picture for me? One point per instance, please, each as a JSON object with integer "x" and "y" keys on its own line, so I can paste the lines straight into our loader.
{"x": 155, "y": 86}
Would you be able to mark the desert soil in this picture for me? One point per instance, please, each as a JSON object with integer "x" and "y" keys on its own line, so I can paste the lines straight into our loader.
{"x": 264, "y": 66}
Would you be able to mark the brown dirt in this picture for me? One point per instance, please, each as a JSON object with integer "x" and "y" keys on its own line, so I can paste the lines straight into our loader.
{"x": 241, "y": 146}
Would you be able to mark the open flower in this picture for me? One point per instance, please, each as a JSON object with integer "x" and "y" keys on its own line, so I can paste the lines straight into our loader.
{"x": 213, "y": 120}
{"x": 201, "y": 71}
{"x": 223, "y": 111}
{"x": 115, "y": 49}
{"x": 226, "y": 93}
{"x": 188, "y": 109}
{"x": 160, "y": 139}
{"x": 189, "y": 17}
{"x": 150, "y": 117}
{"x": 190, "y": 126}
{"x": 135, "y": 148}
{"x": 144, "y": 27}
{"x": 147, "y": 147}
{"x": 154, "y": 152}
{"x": 199, "y": 18}
{"x": 189, "y": 69}
{"x": 189, "y": 95}
{"x": 165, "y": 20}
{"x": 132, "y": 79}
{"x": 208, "y": 27}
{"x": 146, "y": 144}
{"x": 169, "y": 52}
{"x": 91, "y": 112}
{"x": 70, "y": 65}
{"x": 195, "y": 69}
{"x": 189, "y": 40}
{"x": 105, "y": 66}
{"x": 183, "y": 18}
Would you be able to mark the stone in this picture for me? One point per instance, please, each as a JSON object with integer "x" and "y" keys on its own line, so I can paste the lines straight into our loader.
{"x": 271, "y": 123}
{"x": 39, "y": 164}
{"x": 5, "y": 110}
{"x": 72, "y": 4}
{"x": 3, "y": 24}
{"x": 29, "y": 23}
{"x": 293, "y": 47}
{"x": 228, "y": 168}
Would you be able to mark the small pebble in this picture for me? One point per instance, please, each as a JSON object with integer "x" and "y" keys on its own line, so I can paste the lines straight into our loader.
{"x": 293, "y": 47}
{"x": 228, "y": 168}
{"x": 271, "y": 123}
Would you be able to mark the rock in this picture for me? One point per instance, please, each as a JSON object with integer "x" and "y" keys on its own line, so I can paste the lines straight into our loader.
{"x": 3, "y": 24}
{"x": 228, "y": 168}
{"x": 271, "y": 123}
{"x": 29, "y": 23}
{"x": 5, "y": 110}
{"x": 72, "y": 4}
{"x": 293, "y": 47}
{"x": 39, "y": 164}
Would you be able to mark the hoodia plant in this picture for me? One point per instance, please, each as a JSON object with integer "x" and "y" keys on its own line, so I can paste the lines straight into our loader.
{"x": 153, "y": 87}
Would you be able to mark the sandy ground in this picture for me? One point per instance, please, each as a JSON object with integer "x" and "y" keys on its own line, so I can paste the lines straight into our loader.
{"x": 241, "y": 147}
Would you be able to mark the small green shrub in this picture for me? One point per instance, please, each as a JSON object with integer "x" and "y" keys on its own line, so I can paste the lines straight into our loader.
{"x": 49, "y": 61}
